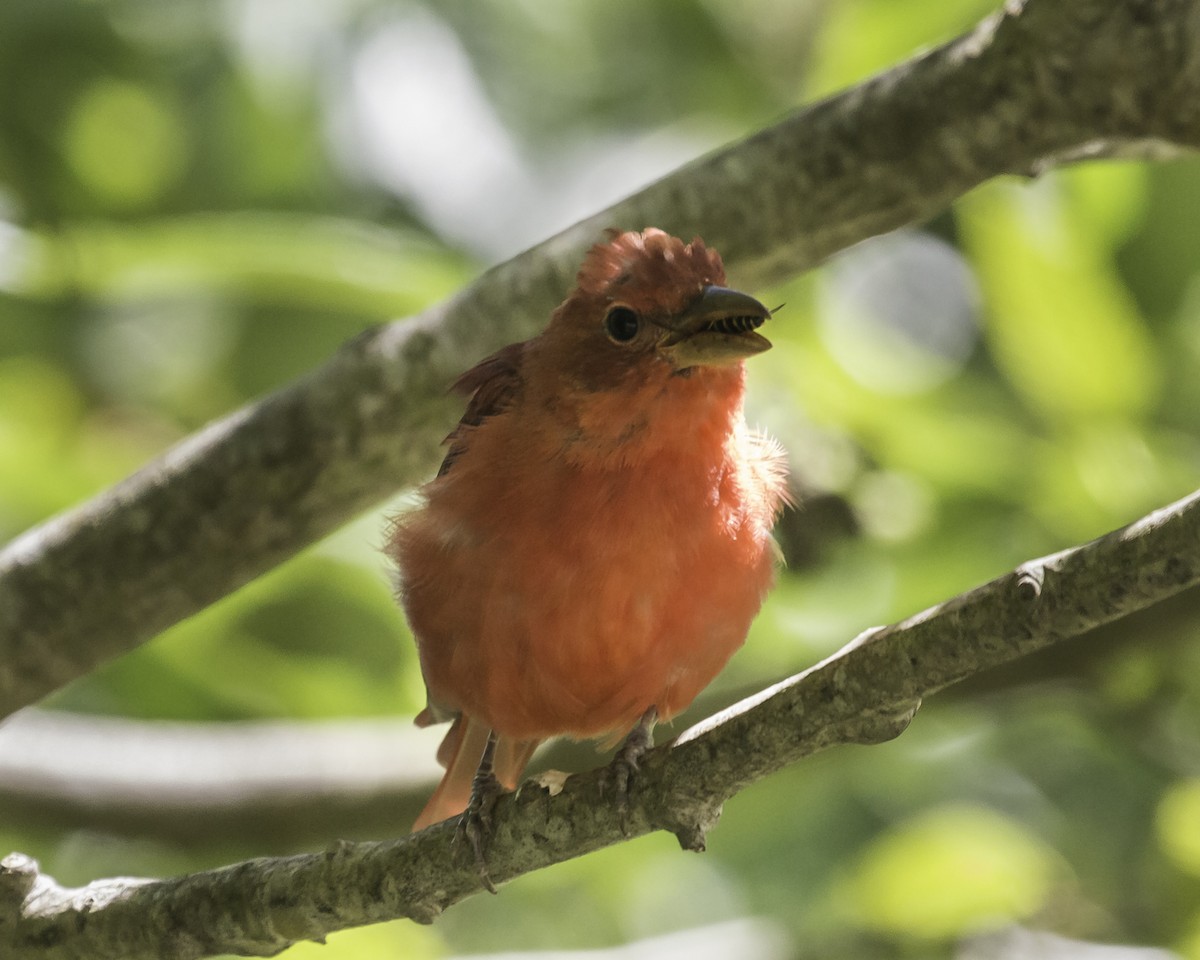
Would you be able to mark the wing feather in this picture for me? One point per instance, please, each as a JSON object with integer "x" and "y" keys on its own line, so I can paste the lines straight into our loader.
{"x": 491, "y": 386}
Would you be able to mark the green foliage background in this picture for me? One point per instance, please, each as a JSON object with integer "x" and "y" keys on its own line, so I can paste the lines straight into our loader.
{"x": 185, "y": 223}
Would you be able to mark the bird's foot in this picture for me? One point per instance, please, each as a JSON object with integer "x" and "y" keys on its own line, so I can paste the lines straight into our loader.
{"x": 475, "y": 822}
{"x": 624, "y": 766}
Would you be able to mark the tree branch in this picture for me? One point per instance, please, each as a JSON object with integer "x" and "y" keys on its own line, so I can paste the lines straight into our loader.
{"x": 261, "y": 787}
{"x": 866, "y": 693}
{"x": 1029, "y": 88}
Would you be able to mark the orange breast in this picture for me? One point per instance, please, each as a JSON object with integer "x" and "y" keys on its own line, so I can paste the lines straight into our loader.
{"x": 548, "y": 598}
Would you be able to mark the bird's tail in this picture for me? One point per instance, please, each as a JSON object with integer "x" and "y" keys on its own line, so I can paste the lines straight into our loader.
{"x": 460, "y": 753}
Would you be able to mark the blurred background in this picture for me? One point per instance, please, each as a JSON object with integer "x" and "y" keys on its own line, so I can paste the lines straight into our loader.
{"x": 201, "y": 201}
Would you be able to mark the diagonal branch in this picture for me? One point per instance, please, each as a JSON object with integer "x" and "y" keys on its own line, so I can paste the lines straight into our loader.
{"x": 1042, "y": 83}
{"x": 866, "y": 693}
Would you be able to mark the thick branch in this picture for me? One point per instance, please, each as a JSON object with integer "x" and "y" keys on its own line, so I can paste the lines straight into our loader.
{"x": 865, "y": 694}
{"x": 1044, "y": 82}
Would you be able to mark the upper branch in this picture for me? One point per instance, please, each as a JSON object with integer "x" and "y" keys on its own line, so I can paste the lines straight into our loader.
{"x": 864, "y": 694}
{"x": 1042, "y": 82}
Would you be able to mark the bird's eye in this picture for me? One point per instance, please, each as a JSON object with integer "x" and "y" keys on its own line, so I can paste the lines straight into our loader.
{"x": 621, "y": 324}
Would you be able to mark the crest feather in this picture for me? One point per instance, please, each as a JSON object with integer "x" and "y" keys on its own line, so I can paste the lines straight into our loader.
{"x": 647, "y": 259}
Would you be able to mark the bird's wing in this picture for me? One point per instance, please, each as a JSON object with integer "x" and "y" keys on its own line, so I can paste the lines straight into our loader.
{"x": 491, "y": 384}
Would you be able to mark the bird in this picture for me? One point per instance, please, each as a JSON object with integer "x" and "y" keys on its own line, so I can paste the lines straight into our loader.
{"x": 598, "y": 538}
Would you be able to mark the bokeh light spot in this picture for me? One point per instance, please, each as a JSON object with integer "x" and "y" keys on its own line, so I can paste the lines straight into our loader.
{"x": 1177, "y": 823}
{"x": 125, "y": 143}
{"x": 952, "y": 871}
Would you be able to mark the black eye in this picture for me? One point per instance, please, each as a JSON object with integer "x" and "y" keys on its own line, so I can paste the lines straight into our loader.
{"x": 621, "y": 324}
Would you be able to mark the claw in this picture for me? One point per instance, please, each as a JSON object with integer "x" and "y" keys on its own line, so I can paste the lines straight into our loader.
{"x": 475, "y": 822}
{"x": 625, "y": 764}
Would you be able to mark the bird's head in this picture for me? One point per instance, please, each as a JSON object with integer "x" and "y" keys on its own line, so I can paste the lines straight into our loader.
{"x": 646, "y": 352}
{"x": 647, "y": 305}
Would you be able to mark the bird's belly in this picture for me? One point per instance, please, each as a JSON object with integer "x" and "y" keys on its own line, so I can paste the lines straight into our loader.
{"x": 577, "y": 626}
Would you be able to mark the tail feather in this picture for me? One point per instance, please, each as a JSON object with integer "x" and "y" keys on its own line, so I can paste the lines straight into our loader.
{"x": 512, "y": 757}
{"x": 460, "y": 753}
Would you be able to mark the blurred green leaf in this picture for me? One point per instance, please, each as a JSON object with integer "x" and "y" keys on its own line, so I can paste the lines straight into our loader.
{"x": 1177, "y": 824}
{"x": 861, "y": 37}
{"x": 266, "y": 257}
{"x": 40, "y": 410}
{"x": 126, "y": 143}
{"x": 1109, "y": 198}
{"x": 316, "y": 637}
{"x": 1064, "y": 329}
{"x": 951, "y": 872}
{"x": 1102, "y": 474}
{"x": 385, "y": 940}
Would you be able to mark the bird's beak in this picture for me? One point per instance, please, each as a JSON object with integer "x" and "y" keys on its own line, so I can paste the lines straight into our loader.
{"x": 717, "y": 329}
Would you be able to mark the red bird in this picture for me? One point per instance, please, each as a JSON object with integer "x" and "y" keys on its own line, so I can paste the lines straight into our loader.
{"x": 598, "y": 539}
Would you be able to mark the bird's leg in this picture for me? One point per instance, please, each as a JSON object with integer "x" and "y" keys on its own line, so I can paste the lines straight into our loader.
{"x": 476, "y": 821}
{"x": 640, "y": 739}
{"x": 625, "y": 764}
